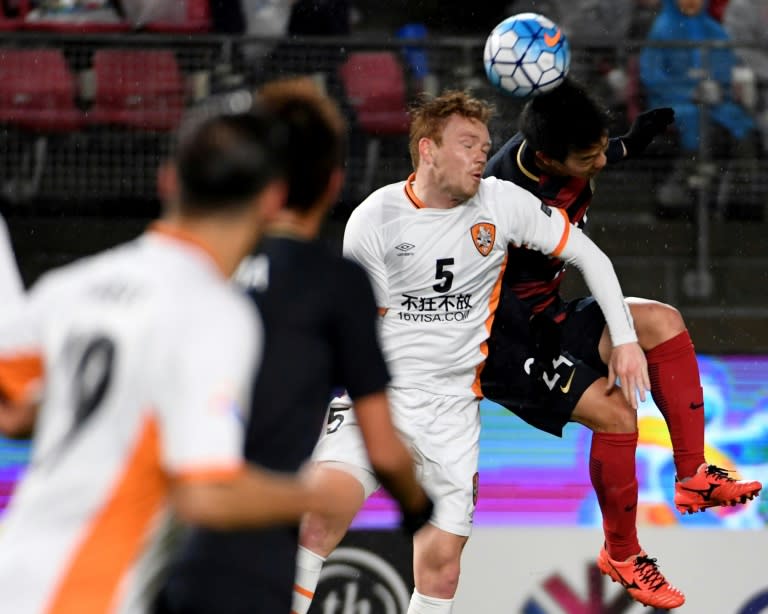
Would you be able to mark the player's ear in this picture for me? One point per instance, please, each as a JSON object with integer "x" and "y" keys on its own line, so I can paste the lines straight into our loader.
{"x": 426, "y": 147}
{"x": 544, "y": 158}
{"x": 271, "y": 200}
{"x": 333, "y": 189}
{"x": 168, "y": 182}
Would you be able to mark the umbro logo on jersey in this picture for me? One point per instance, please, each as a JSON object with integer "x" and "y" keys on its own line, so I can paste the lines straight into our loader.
{"x": 484, "y": 236}
{"x": 404, "y": 247}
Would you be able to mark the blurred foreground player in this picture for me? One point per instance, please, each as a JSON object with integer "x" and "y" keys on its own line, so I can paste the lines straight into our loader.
{"x": 143, "y": 358}
{"x": 320, "y": 322}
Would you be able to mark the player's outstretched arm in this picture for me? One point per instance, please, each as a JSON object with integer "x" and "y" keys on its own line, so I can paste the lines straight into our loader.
{"x": 391, "y": 460}
{"x": 645, "y": 128}
{"x": 628, "y": 364}
{"x": 254, "y": 497}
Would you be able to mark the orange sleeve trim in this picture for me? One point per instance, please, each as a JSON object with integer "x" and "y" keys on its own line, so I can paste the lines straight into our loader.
{"x": 303, "y": 591}
{"x": 493, "y": 304}
{"x": 566, "y": 233}
{"x": 211, "y": 474}
{"x": 18, "y": 374}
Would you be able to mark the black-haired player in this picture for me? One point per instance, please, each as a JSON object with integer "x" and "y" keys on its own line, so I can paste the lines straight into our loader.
{"x": 547, "y": 356}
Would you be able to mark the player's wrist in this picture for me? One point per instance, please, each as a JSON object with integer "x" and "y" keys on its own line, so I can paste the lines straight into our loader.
{"x": 624, "y": 341}
{"x": 634, "y": 143}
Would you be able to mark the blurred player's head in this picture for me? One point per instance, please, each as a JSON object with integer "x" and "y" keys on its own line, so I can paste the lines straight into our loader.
{"x": 449, "y": 142}
{"x": 317, "y": 139}
{"x": 230, "y": 154}
{"x": 568, "y": 130}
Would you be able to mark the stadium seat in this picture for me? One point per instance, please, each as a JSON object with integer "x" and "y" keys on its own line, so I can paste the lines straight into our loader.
{"x": 139, "y": 89}
{"x": 38, "y": 97}
{"x": 198, "y": 20}
{"x": 37, "y": 90}
{"x": 374, "y": 85}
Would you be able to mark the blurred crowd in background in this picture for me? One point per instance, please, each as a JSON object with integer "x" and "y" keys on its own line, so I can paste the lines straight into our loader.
{"x": 708, "y": 59}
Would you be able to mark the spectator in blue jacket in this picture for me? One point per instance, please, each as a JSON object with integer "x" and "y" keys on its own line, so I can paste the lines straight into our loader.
{"x": 690, "y": 79}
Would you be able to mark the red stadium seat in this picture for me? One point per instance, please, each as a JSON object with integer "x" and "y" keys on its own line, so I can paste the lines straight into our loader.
{"x": 375, "y": 87}
{"x": 374, "y": 84}
{"x": 140, "y": 89}
{"x": 37, "y": 90}
{"x": 198, "y": 20}
{"x": 37, "y": 95}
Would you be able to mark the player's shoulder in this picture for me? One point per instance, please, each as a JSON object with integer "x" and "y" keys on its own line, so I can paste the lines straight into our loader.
{"x": 380, "y": 203}
{"x": 71, "y": 279}
{"x": 186, "y": 289}
{"x": 495, "y": 192}
{"x": 220, "y": 320}
{"x": 220, "y": 304}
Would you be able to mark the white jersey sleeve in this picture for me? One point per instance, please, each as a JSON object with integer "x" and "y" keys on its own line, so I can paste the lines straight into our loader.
{"x": 362, "y": 243}
{"x": 600, "y": 277}
{"x": 21, "y": 343}
{"x": 204, "y": 388}
{"x": 21, "y": 329}
{"x": 547, "y": 229}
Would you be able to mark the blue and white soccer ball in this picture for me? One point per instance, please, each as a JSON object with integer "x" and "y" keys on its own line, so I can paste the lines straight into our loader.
{"x": 526, "y": 54}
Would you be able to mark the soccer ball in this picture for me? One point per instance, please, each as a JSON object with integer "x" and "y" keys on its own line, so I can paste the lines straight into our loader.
{"x": 526, "y": 54}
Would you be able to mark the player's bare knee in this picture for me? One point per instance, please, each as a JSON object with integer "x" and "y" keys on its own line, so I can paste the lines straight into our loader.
{"x": 620, "y": 418}
{"x": 667, "y": 319}
{"x": 656, "y": 322}
{"x": 446, "y": 580}
{"x": 437, "y": 577}
{"x": 449, "y": 575}
{"x": 614, "y": 415}
{"x": 437, "y": 561}
{"x": 321, "y": 534}
{"x": 603, "y": 413}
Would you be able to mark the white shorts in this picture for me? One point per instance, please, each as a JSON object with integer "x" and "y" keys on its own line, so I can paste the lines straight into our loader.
{"x": 443, "y": 433}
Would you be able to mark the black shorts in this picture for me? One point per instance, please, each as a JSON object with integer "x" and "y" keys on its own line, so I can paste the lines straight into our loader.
{"x": 538, "y": 368}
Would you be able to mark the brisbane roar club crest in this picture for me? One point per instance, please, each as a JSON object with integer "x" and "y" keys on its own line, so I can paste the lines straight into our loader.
{"x": 483, "y": 236}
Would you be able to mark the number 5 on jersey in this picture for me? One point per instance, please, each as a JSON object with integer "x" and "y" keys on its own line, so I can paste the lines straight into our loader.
{"x": 443, "y": 274}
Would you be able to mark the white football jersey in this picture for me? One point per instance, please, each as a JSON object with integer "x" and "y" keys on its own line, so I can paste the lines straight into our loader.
{"x": 148, "y": 355}
{"x": 438, "y": 274}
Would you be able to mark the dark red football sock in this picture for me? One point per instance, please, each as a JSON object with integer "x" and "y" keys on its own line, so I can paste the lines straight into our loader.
{"x": 612, "y": 471}
{"x": 676, "y": 389}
